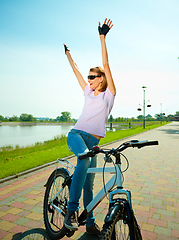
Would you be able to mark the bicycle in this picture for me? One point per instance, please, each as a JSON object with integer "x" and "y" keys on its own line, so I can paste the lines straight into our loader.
{"x": 120, "y": 222}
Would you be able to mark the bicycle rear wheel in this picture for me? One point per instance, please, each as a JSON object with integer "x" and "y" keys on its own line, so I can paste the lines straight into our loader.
{"x": 120, "y": 229}
{"x": 53, "y": 219}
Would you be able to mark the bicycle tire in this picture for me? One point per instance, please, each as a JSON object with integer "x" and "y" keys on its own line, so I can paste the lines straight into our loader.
{"x": 53, "y": 219}
{"x": 117, "y": 229}
{"x": 137, "y": 232}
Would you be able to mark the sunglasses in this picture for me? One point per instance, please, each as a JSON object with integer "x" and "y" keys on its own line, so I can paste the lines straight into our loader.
{"x": 92, "y": 77}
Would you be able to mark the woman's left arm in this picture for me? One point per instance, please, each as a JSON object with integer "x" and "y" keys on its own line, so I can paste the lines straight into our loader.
{"x": 103, "y": 31}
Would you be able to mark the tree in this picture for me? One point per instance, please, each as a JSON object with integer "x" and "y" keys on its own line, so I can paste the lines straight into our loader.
{"x": 14, "y": 119}
{"x": 170, "y": 117}
{"x": 140, "y": 117}
{"x": 176, "y": 116}
{"x": 30, "y": 118}
{"x": 65, "y": 116}
{"x": 57, "y": 119}
{"x": 1, "y": 118}
{"x": 24, "y": 117}
{"x": 148, "y": 116}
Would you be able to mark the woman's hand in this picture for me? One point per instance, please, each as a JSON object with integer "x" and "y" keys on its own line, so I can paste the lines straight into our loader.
{"x": 66, "y": 48}
{"x": 105, "y": 27}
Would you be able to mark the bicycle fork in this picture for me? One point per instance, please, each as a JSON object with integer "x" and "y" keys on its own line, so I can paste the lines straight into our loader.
{"x": 116, "y": 204}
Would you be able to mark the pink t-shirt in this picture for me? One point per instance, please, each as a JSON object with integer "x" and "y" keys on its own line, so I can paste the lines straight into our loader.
{"x": 95, "y": 112}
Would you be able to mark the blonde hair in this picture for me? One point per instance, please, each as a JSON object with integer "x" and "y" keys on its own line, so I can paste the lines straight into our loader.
{"x": 100, "y": 71}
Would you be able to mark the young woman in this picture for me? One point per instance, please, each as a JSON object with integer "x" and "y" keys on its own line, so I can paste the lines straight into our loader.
{"x": 90, "y": 128}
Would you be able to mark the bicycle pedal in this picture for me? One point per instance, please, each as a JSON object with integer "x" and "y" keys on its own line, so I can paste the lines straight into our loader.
{"x": 69, "y": 232}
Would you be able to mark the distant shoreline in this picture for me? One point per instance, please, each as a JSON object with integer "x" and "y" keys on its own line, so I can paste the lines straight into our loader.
{"x": 55, "y": 124}
{"x": 115, "y": 125}
{"x": 33, "y": 123}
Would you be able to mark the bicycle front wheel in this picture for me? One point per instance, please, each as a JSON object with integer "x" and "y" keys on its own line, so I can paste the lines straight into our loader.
{"x": 119, "y": 229}
{"x": 53, "y": 218}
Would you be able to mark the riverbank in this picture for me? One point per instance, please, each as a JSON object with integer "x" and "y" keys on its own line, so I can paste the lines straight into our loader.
{"x": 22, "y": 134}
{"x": 114, "y": 124}
{"x": 34, "y": 123}
{"x": 21, "y": 159}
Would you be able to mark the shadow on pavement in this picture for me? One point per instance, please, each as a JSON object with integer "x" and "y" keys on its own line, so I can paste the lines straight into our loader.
{"x": 86, "y": 236}
{"x": 33, "y": 234}
{"x": 170, "y": 131}
{"x": 41, "y": 234}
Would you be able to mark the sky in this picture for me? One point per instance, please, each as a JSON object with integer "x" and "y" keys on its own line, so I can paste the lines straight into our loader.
{"x": 143, "y": 50}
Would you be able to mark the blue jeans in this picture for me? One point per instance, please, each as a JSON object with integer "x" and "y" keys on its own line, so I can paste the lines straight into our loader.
{"x": 79, "y": 142}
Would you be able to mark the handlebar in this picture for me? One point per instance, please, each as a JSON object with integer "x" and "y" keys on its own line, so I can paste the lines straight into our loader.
{"x": 133, "y": 143}
{"x": 140, "y": 144}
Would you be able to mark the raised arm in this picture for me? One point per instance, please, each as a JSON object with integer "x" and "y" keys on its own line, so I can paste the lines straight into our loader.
{"x": 74, "y": 66}
{"x": 103, "y": 31}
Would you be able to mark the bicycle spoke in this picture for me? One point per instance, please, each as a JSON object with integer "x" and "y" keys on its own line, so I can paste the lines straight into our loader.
{"x": 56, "y": 198}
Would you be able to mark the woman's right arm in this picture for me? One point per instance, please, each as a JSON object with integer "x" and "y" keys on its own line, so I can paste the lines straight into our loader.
{"x": 76, "y": 71}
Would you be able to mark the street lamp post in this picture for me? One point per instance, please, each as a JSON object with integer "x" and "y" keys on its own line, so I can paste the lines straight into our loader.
{"x": 148, "y": 105}
{"x": 144, "y": 107}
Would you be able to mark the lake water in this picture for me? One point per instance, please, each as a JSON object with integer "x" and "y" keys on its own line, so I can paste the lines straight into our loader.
{"x": 29, "y": 135}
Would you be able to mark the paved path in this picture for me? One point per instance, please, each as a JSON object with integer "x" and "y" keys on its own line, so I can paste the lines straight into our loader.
{"x": 153, "y": 178}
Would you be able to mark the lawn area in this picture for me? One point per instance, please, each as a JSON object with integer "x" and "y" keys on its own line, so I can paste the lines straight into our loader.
{"x": 15, "y": 161}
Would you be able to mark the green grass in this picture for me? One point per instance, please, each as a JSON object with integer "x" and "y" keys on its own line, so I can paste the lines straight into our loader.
{"x": 113, "y": 136}
{"x": 18, "y": 160}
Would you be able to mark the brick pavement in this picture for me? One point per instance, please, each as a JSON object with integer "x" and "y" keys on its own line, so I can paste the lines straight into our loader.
{"x": 153, "y": 178}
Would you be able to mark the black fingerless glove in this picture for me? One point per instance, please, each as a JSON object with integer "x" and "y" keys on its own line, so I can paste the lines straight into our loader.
{"x": 104, "y": 29}
{"x": 66, "y": 48}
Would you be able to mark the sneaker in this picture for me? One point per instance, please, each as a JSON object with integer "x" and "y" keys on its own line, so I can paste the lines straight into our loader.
{"x": 71, "y": 221}
{"x": 93, "y": 230}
